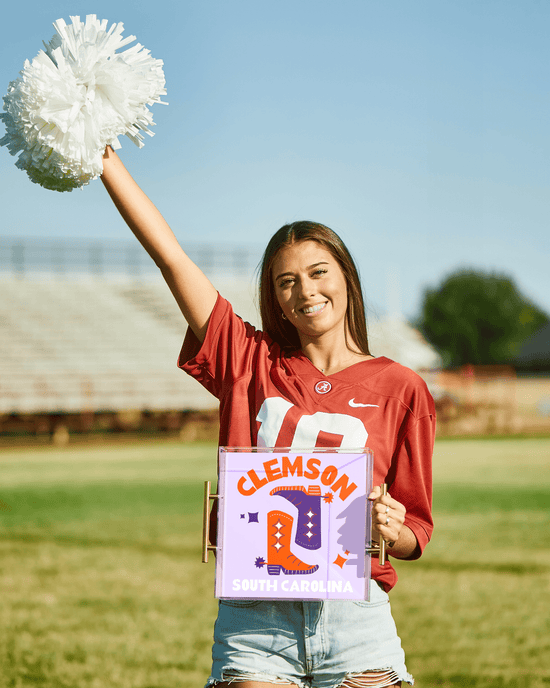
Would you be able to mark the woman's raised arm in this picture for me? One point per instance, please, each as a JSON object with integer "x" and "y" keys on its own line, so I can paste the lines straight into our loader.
{"x": 191, "y": 288}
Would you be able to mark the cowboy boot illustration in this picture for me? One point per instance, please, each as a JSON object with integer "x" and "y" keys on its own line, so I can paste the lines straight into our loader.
{"x": 308, "y": 529}
{"x": 279, "y": 556}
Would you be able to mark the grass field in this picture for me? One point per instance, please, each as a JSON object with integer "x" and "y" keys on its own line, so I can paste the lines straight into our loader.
{"x": 101, "y": 583}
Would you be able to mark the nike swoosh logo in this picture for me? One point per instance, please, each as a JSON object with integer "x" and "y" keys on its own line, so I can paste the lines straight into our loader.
{"x": 355, "y": 404}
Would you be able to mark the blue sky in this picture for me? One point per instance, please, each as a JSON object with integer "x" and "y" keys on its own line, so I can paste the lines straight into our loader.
{"x": 417, "y": 130}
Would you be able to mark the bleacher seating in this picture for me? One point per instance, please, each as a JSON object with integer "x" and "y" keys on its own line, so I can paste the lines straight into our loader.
{"x": 73, "y": 344}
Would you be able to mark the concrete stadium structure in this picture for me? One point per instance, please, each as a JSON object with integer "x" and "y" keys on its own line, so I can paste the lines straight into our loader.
{"x": 96, "y": 344}
{"x": 80, "y": 335}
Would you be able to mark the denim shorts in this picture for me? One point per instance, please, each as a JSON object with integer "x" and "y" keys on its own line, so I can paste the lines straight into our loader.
{"x": 311, "y": 644}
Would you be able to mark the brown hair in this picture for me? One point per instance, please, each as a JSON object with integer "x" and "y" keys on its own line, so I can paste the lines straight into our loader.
{"x": 282, "y": 331}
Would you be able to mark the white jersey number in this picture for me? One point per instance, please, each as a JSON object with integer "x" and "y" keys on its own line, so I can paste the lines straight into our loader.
{"x": 274, "y": 410}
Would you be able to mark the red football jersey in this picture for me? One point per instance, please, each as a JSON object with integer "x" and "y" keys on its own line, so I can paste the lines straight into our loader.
{"x": 272, "y": 399}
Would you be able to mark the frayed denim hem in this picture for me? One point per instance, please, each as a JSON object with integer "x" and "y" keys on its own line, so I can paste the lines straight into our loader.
{"x": 237, "y": 676}
{"x": 378, "y": 679}
{"x": 375, "y": 679}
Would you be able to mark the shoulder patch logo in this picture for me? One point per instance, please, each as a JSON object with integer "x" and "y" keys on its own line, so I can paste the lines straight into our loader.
{"x": 323, "y": 387}
{"x": 356, "y": 404}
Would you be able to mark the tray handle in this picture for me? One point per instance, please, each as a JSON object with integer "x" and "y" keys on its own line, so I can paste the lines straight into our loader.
{"x": 380, "y": 548}
{"x": 208, "y": 496}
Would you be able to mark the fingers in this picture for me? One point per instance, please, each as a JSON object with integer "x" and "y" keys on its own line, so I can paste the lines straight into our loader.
{"x": 388, "y": 516}
{"x": 376, "y": 492}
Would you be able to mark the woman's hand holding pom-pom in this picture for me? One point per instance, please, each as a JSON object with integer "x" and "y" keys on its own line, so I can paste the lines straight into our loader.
{"x": 76, "y": 97}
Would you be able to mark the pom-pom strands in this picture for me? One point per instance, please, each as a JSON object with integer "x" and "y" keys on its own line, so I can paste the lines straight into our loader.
{"x": 76, "y": 97}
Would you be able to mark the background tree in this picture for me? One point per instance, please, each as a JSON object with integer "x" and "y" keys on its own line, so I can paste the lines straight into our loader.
{"x": 477, "y": 317}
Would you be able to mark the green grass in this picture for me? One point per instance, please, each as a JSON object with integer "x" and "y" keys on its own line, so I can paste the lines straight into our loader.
{"x": 473, "y": 611}
{"x": 101, "y": 582}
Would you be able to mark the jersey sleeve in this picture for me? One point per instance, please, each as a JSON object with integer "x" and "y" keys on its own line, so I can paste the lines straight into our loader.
{"x": 411, "y": 470}
{"x": 227, "y": 353}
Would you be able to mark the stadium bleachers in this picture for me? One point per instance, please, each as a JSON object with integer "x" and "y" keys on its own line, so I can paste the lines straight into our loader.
{"x": 88, "y": 326}
{"x": 74, "y": 344}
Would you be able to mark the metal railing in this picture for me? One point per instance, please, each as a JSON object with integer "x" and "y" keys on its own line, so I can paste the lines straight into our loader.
{"x": 26, "y": 255}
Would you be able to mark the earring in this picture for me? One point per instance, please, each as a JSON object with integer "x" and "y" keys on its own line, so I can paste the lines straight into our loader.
{"x": 283, "y": 316}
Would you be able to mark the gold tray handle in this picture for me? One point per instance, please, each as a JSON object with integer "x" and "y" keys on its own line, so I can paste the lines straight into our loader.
{"x": 206, "y": 548}
{"x": 380, "y": 549}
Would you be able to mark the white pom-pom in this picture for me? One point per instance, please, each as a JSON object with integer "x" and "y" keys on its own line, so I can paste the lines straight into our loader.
{"x": 76, "y": 97}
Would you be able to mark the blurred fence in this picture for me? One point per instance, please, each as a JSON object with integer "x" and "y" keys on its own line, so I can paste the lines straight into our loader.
{"x": 28, "y": 255}
{"x": 487, "y": 400}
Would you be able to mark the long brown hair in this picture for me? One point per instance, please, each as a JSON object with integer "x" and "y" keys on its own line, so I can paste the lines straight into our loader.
{"x": 282, "y": 331}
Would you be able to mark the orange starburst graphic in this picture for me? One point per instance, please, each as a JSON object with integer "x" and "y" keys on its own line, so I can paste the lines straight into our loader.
{"x": 340, "y": 561}
{"x": 328, "y": 497}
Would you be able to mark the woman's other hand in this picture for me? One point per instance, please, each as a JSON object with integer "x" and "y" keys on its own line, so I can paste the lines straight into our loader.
{"x": 388, "y": 517}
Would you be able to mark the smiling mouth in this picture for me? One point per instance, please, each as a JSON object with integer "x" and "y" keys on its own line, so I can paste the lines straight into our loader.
{"x": 313, "y": 309}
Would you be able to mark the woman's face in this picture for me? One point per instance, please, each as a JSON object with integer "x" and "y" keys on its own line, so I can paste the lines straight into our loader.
{"x": 311, "y": 289}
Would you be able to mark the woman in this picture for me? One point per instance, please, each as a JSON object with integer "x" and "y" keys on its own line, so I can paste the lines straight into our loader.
{"x": 308, "y": 379}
